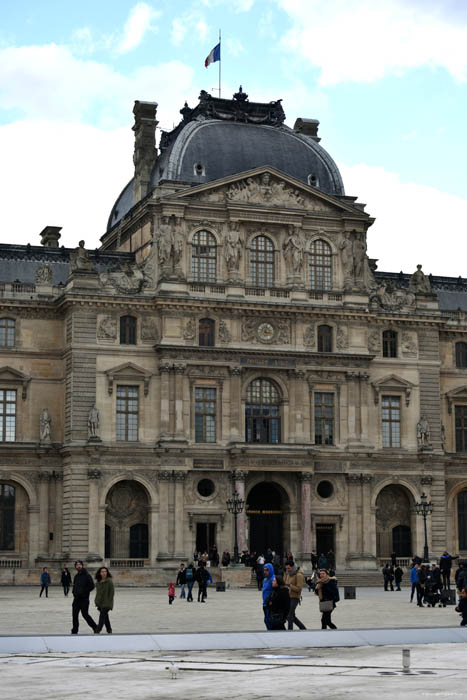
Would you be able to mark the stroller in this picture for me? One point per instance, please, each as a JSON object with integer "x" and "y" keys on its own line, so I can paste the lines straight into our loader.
{"x": 432, "y": 596}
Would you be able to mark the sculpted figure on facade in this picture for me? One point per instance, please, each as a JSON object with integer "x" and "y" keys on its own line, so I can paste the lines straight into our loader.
{"x": 342, "y": 341}
{"x": 233, "y": 248}
{"x": 224, "y": 334}
{"x": 107, "y": 328}
{"x": 190, "y": 330}
{"x": 283, "y": 332}
{"x": 170, "y": 242}
{"x": 374, "y": 341}
{"x": 293, "y": 250}
{"x": 128, "y": 278}
{"x": 419, "y": 282}
{"x": 93, "y": 422}
{"x": 409, "y": 347}
{"x": 353, "y": 254}
{"x": 45, "y": 423}
{"x": 268, "y": 190}
{"x": 80, "y": 260}
{"x": 44, "y": 274}
{"x": 389, "y": 297}
{"x": 149, "y": 329}
{"x": 423, "y": 433}
{"x": 309, "y": 336}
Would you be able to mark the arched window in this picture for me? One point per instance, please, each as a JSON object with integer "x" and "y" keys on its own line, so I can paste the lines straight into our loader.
{"x": 262, "y": 418}
{"x": 7, "y": 517}
{"x": 324, "y": 339}
{"x": 7, "y": 332}
{"x": 203, "y": 257}
{"x": 461, "y": 355}
{"x": 206, "y": 332}
{"x": 320, "y": 265}
{"x": 389, "y": 344}
{"x": 262, "y": 262}
{"x": 127, "y": 330}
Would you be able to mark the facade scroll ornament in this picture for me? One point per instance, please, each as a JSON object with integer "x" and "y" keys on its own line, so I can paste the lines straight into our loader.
{"x": 306, "y": 476}
{"x": 94, "y": 474}
{"x": 426, "y": 480}
{"x": 238, "y": 475}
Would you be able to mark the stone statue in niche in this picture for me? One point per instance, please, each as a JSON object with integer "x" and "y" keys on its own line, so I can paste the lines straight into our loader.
{"x": 44, "y": 274}
{"x": 170, "y": 244}
{"x": 419, "y": 282}
{"x": 163, "y": 241}
{"x": 233, "y": 248}
{"x": 93, "y": 423}
{"x": 45, "y": 423}
{"x": 423, "y": 433}
{"x": 353, "y": 252}
{"x": 80, "y": 260}
{"x": 293, "y": 250}
{"x": 107, "y": 328}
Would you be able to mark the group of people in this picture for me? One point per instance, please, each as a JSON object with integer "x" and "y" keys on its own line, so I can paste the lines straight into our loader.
{"x": 188, "y": 576}
{"x": 83, "y": 585}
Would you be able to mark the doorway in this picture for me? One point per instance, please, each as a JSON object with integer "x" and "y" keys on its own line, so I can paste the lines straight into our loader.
{"x": 265, "y": 511}
{"x": 205, "y": 536}
{"x": 325, "y": 538}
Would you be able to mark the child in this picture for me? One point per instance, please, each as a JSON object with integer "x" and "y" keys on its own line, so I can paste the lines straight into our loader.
{"x": 171, "y": 593}
{"x": 462, "y": 607}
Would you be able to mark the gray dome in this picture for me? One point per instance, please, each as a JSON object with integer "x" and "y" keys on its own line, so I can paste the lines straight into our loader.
{"x": 203, "y": 149}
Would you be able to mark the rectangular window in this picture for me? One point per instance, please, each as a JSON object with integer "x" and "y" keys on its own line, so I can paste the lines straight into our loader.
{"x": 205, "y": 414}
{"x": 7, "y": 332}
{"x": 127, "y": 413}
{"x": 461, "y": 428}
{"x": 391, "y": 421}
{"x": 324, "y": 418}
{"x": 7, "y": 415}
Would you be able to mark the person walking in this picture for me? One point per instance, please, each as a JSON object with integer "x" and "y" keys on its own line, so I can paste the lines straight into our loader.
{"x": 202, "y": 578}
{"x": 388, "y": 577}
{"x": 398, "y": 574}
{"x": 413, "y": 580}
{"x": 82, "y": 587}
{"x": 294, "y": 580}
{"x": 45, "y": 582}
{"x": 266, "y": 592}
{"x": 66, "y": 580}
{"x": 104, "y": 600}
{"x": 171, "y": 592}
{"x": 445, "y": 565}
{"x": 462, "y": 607}
{"x": 190, "y": 576}
{"x": 259, "y": 574}
{"x": 181, "y": 580}
{"x": 421, "y": 580}
{"x": 328, "y": 593}
{"x": 278, "y": 604}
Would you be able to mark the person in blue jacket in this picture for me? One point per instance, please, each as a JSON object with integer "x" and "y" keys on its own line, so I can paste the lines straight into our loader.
{"x": 413, "y": 580}
{"x": 45, "y": 582}
{"x": 267, "y": 590}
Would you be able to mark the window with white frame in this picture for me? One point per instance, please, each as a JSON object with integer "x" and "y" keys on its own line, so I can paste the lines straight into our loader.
{"x": 7, "y": 415}
{"x": 391, "y": 421}
{"x": 320, "y": 265}
{"x": 205, "y": 414}
{"x": 127, "y": 413}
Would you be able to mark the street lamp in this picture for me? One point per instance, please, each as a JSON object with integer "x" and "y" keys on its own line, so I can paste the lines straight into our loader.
{"x": 235, "y": 505}
{"x": 423, "y": 508}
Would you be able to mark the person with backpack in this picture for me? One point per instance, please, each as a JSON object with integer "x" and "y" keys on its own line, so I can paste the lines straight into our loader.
{"x": 190, "y": 581}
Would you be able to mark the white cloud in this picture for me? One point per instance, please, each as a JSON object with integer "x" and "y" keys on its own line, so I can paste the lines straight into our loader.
{"x": 140, "y": 21}
{"x": 192, "y": 23}
{"x": 235, "y": 47}
{"x": 414, "y": 223}
{"x": 363, "y": 40}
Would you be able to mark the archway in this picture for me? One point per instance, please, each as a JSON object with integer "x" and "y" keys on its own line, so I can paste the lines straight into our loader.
{"x": 266, "y": 512}
{"x": 126, "y": 521}
{"x": 394, "y": 522}
{"x": 14, "y": 522}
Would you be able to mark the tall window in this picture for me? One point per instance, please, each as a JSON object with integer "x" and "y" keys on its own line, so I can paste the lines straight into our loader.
{"x": 320, "y": 265}
{"x": 7, "y": 517}
{"x": 324, "y": 418}
{"x": 389, "y": 344}
{"x": 205, "y": 414}
{"x": 461, "y": 355}
{"x": 391, "y": 421}
{"x": 262, "y": 420}
{"x": 462, "y": 518}
{"x": 461, "y": 428}
{"x": 262, "y": 262}
{"x": 7, "y": 332}
{"x": 127, "y": 330}
{"x": 324, "y": 339}
{"x": 127, "y": 413}
{"x": 206, "y": 332}
{"x": 203, "y": 257}
{"x": 7, "y": 415}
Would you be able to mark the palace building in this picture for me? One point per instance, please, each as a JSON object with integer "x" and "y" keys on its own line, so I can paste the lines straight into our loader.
{"x": 230, "y": 334}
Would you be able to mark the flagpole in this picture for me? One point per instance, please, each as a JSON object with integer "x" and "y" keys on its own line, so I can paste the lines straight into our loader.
{"x": 220, "y": 61}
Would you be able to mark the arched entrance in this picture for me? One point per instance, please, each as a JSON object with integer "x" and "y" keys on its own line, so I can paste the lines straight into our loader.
{"x": 394, "y": 522}
{"x": 14, "y": 526}
{"x": 126, "y": 521}
{"x": 265, "y": 510}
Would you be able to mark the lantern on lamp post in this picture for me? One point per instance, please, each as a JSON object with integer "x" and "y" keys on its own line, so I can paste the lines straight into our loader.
{"x": 424, "y": 508}
{"x": 235, "y": 505}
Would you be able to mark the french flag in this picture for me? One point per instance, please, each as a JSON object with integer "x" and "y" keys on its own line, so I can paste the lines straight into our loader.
{"x": 214, "y": 56}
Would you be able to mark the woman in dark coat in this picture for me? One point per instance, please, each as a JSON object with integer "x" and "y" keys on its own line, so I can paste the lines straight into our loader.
{"x": 66, "y": 580}
{"x": 278, "y": 604}
{"x": 326, "y": 590}
{"x": 104, "y": 598}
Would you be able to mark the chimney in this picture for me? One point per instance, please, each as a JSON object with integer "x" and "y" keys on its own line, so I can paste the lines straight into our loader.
{"x": 50, "y": 235}
{"x": 308, "y": 127}
{"x": 145, "y": 146}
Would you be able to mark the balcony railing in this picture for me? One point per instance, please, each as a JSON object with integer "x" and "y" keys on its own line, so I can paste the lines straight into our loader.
{"x": 11, "y": 563}
{"x": 127, "y": 563}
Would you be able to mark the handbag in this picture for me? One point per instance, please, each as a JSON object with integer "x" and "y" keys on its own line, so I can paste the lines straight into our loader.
{"x": 326, "y": 605}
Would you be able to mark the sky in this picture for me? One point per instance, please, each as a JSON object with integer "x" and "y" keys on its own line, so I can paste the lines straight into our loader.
{"x": 387, "y": 81}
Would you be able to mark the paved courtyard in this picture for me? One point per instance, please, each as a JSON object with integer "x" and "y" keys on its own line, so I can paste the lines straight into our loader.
{"x": 139, "y": 610}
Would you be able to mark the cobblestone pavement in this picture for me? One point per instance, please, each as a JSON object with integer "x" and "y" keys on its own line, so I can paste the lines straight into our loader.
{"x": 147, "y": 610}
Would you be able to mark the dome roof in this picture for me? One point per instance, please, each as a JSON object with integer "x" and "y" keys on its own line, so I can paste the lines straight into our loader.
{"x": 221, "y": 137}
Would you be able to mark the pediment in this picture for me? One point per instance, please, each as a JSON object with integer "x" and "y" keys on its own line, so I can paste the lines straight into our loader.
{"x": 9, "y": 376}
{"x": 460, "y": 394}
{"x": 128, "y": 372}
{"x": 394, "y": 384}
{"x": 267, "y": 187}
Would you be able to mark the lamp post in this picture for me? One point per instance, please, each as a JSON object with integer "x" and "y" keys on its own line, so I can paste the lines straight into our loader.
{"x": 235, "y": 505}
{"x": 423, "y": 508}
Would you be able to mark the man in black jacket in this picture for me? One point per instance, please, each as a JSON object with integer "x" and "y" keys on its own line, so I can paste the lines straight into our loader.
{"x": 82, "y": 587}
{"x": 202, "y": 577}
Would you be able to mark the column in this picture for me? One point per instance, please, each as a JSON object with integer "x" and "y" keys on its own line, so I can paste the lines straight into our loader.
{"x": 179, "y": 427}
{"x": 164, "y": 478}
{"x": 353, "y": 481}
{"x": 367, "y": 541}
{"x": 164, "y": 371}
{"x": 153, "y": 513}
{"x": 44, "y": 480}
{"x": 93, "y": 516}
{"x": 306, "y": 478}
{"x": 180, "y": 478}
{"x": 58, "y": 481}
{"x": 238, "y": 480}
{"x": 299, "y": 405}
{"x": 235, "y": 403}
{"x": 34, "y": 513}
{"x": 364, "y": 416}
{"x": 353, "y": 408}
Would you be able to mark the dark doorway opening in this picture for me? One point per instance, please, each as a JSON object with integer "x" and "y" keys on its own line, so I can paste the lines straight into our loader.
{"x": 265, "y": 511}
{"x": 402, "y": 541}
{"x": 108, "y": 536}
{"x": 205, "y": 536}
{"x": 139, "y": 545}
{"x": 325, "y": 538}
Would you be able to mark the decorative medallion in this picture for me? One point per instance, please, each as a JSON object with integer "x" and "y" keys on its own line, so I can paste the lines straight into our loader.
{"x": 265, "y": 332}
